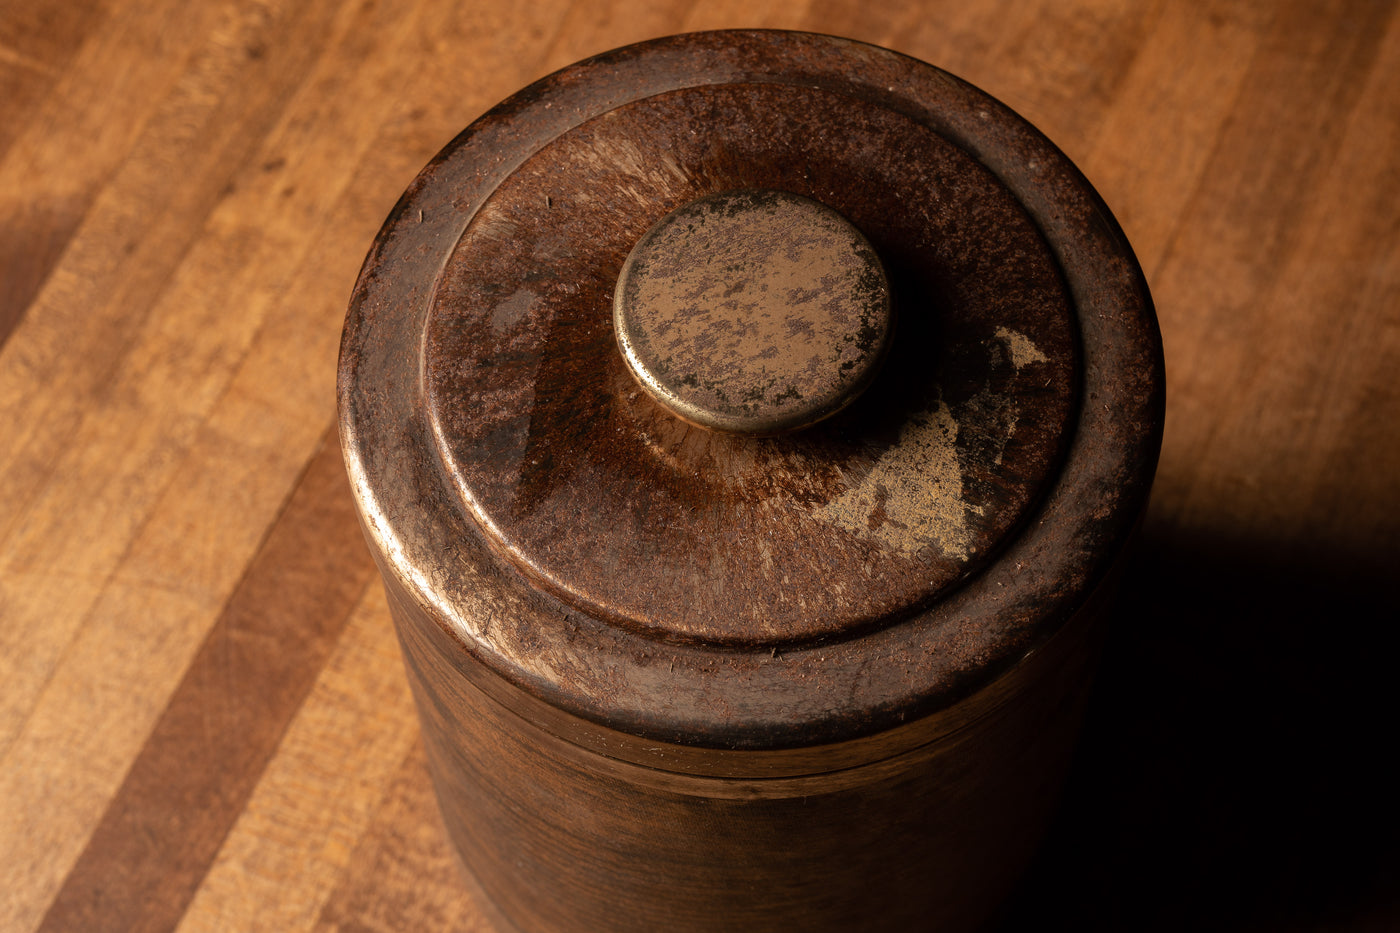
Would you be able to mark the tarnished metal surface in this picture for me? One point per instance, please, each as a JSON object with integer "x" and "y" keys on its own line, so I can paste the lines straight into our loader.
{"x": 753, "y": 312}
{"x": 662, "y": 593}
{"x": 632, "y": 515}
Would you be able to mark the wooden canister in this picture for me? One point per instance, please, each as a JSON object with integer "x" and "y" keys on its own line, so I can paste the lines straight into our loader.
{"x": 747, "y": 426}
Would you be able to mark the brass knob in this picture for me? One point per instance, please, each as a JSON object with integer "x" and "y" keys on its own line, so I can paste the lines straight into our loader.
{"x": 753, "y": 312}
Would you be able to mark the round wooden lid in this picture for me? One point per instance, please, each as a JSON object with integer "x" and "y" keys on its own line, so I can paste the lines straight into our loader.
{"x": 550, "y": 463}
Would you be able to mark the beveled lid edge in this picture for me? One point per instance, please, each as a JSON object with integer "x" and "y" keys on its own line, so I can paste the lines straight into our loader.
{"x": 1112, "y": 468}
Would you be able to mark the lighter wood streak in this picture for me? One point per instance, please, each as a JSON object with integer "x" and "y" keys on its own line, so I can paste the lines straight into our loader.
{"x": 297, "y": 833}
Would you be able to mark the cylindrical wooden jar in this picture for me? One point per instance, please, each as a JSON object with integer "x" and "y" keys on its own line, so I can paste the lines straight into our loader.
{"x": 752, "y": 582}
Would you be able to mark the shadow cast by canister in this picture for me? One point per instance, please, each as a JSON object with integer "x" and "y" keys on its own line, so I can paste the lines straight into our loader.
{"x": 1236, "y": 764}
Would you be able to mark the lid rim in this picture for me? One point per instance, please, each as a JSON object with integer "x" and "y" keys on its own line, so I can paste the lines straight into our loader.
{"x": 375, "y": 378}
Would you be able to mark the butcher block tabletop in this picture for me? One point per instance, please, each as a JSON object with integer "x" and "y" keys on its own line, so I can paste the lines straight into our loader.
{"x": 204, "y": 721}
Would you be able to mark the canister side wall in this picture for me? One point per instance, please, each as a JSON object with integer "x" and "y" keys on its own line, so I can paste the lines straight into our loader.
{"x": 568, "y": 840}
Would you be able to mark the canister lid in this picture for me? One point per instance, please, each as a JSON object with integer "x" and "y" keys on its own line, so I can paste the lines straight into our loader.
{"x": 749, "y": 390}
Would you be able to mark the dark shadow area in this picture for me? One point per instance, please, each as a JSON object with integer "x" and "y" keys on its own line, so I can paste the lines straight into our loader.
{"x": 1237, "y": 770}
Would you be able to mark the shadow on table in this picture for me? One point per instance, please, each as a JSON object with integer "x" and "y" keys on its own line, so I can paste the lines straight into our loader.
{"x": 1237, "y": 768}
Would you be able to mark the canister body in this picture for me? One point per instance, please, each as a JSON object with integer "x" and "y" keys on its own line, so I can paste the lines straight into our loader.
{"x": 558, "y": 837}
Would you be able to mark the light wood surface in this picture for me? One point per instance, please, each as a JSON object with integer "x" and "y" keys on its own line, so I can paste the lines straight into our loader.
{"x": 204, "y": 723}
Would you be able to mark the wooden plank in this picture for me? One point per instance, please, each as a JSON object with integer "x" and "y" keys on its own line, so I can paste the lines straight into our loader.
{"x": 299, "y": 829}
{"x": 1245, "y": 223}
{"x": 588, "y": 29}
{"x": 1060, "y": 65}
{"x": 405, "y": 874}
{"x": 750, "y": 14}
{"x": 67, "y": 149}
{"x": 1326, "y": 344}
{"x": 120, "y": 361}
{"x": 1153, "y": 146}
{"x": 886, "y": 24}
{"x": 193, "y": 776}
{"x": 136, "y": 232}
{"x": 37, "y": 43}
{"x": 1057, "y": 64}
{"x": 46, "y": 36}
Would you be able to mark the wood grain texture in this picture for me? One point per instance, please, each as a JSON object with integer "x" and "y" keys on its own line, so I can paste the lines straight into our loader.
{"x": 186, "y": 192}
{"x": 161, "y": 830}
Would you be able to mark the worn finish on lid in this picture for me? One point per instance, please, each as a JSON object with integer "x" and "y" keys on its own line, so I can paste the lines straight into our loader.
{"x": 754, "y": 312}
{"x": 633, "y": 515}
{"x": 652, "y": 590}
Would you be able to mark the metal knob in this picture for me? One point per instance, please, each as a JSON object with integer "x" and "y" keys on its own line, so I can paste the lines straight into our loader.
{"x": 753, "y": 312}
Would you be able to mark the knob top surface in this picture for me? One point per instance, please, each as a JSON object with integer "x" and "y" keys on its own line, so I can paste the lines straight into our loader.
{"x": 753, "y": 312}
